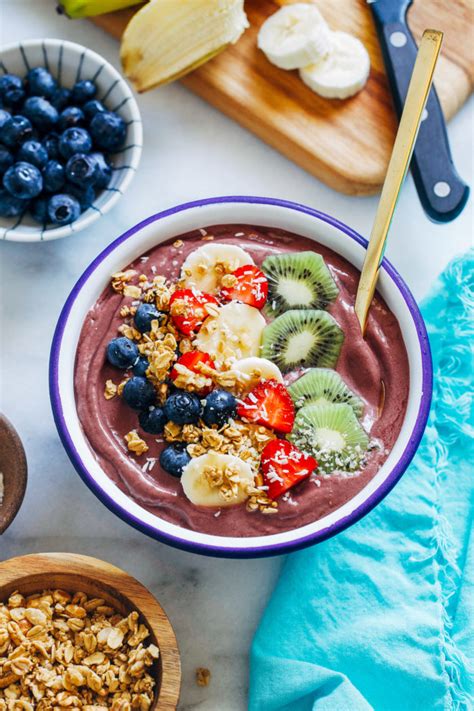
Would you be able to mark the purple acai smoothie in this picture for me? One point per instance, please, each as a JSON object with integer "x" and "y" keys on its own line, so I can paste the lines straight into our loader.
{"x": 363, "y": 363}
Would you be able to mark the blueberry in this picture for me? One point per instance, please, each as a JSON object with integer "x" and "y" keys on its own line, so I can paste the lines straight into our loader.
{"x": 53, "y": 176}
{"x": 122, "y": 352}
{"x": 33, "y": 152}
{"x": 11, "y": 89}
{"x": 139, "y": 393}
{"x": 11, "y": 206}
{"x": 61, "y": 98}
{"x": 105, "y": 171}
{"x": 91, "y": 108}
{"x": 16, "y": 130}
{"x": 6, "y": 159}
{"x": 183, "y": 408}
{"x": 51, "y": 143}
{"x": 82, "y": 169}
{"x": 4, "y": 116}
{"x": 40, "y": 82}
{"x": 83, "y": 91}
{"x": 39, "y": 210}
{"x": 41, "y": 113}
{"x": 174, "y": 458}
{"x": 153, "y": 421}
{"x": 219, "y": 408}
{"x": 141, "y": 366}
{"x": 70, "y": 117}
{"x": 15, "y": 98}
{"x": 108, "y": 130}
{"x": 63, "y": 209}
{"x": 145, "y": 314}
{"x": 85, "y": 195}
{"x": 23, "y": 180}
{"x": 9, "y": 81}
{"x": 74, "y": 140}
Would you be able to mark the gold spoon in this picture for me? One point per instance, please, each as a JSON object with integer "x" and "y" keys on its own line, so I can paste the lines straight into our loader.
{"x": 418, "y": 91}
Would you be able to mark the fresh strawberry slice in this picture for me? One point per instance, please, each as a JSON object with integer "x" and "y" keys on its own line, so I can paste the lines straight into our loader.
{"x": 269, "y": 404}
{"x": 284, "y": 466}
{"x": 192, "y": 360}
{"x": 251, "y": 286}
{"x": 188, "y": 309}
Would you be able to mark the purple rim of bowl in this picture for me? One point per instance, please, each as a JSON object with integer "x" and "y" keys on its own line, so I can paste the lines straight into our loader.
{"x": 221, "y": 550}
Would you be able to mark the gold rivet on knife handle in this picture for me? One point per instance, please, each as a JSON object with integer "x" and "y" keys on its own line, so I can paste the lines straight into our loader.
{"x": 418, "y": 91}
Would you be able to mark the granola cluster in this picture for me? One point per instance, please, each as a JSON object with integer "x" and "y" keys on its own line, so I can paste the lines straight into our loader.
{"x": 203, "y": 676}
{"x": 227, "y": 481}
{"x": 63, "y": 651}
{"x": 135, "y": 443}
{"x": 238, "y": 438}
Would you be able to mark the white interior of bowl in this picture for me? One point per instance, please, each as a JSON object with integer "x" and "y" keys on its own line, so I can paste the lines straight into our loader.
{"x": 68, "y": 62}
{"x": 203, "y": 216}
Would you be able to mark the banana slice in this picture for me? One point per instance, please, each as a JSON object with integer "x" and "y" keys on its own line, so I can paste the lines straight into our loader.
{"x": 235, "y": 333}
{"x": 295, "y": 36}
{"x": 204, "y": 267}
{"x": 343, "y": 72}
{"x": 215, "y": 479}
{"x": 250, "y": 371}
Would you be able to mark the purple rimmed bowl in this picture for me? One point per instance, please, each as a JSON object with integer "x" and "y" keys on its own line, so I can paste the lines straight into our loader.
{"x": 256, "y": 211}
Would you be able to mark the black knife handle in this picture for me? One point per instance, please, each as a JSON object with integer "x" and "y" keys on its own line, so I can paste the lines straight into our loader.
{"x": 442, "y": 192}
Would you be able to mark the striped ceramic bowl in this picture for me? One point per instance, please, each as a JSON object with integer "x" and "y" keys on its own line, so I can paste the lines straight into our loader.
{"x": 69, "y": 62}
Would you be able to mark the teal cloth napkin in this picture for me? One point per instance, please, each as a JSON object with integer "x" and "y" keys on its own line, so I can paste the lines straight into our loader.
{"x": 381, "y": 616}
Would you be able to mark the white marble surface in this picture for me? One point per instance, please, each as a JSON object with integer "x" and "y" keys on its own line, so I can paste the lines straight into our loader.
{"x": 191, "y": 151}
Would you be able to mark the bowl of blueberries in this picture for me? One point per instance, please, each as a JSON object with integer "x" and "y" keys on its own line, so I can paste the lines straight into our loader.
{"x": 70, "y": 139}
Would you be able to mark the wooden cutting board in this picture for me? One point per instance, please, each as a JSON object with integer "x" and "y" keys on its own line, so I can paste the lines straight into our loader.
{"x": 346, "y": 144}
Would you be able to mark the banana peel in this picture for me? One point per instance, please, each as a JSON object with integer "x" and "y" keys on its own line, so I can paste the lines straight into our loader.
{"x": 166, "y": 39}
{"x": 88, "y": 8}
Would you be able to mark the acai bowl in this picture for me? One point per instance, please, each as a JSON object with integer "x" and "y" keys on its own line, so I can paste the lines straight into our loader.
{"x": 329, "y": 422}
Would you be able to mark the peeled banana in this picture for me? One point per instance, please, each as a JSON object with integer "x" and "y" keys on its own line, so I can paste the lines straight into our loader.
{"x": 168, "y": 38}
{"x": 88, "y": 8}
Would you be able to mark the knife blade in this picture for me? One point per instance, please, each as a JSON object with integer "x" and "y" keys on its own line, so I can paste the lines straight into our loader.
{"x": 442, "y": 192}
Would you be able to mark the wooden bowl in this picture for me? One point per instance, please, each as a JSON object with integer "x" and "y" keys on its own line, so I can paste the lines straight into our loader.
{"x": 14, "y": 469}
{"x": 34, "y": 573}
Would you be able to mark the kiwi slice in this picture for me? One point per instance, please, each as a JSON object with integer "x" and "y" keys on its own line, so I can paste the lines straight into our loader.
{"x": 321, "y": 386}
{"x": 299, "y": 280}
{"x": 303, "y": 338}
{"x": 332, "y": 434}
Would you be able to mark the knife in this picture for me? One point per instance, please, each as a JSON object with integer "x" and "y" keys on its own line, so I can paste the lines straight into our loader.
{"x": 441, "y": 190}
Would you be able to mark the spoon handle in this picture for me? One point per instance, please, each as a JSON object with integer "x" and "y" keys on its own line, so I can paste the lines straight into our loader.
{"x": 418, "y": 91}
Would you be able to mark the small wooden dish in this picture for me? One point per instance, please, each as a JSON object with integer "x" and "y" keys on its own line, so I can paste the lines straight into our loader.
{"x": 34, "y": 573}
{"x": 14, "y": 469}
